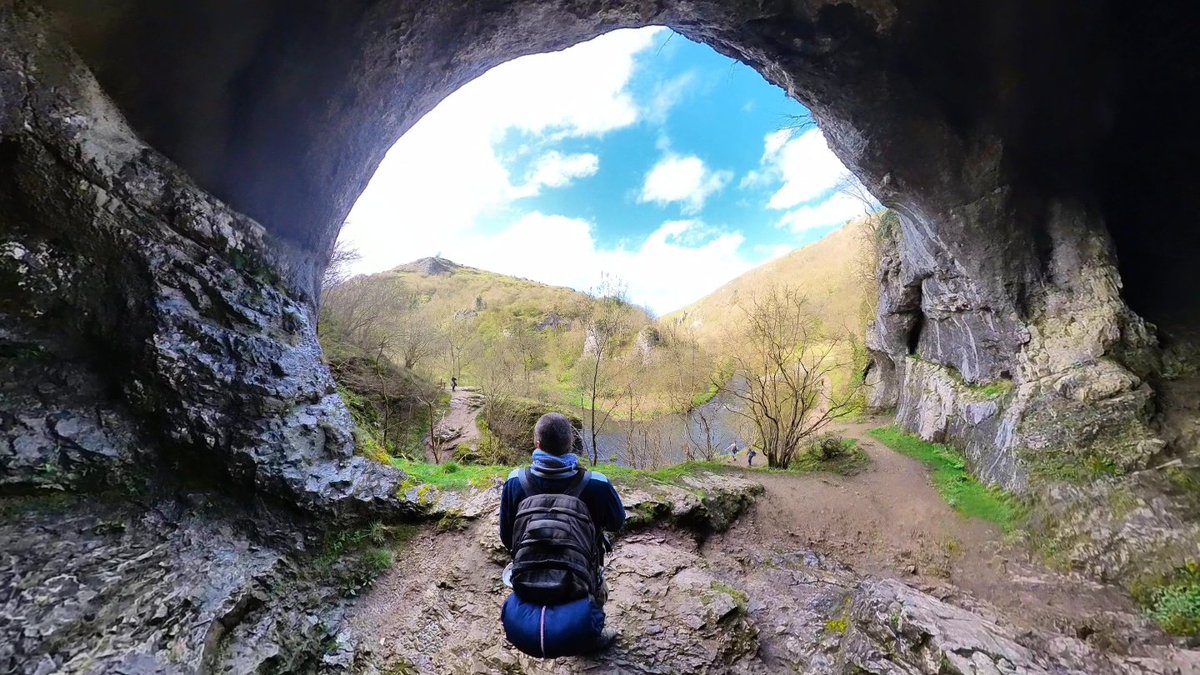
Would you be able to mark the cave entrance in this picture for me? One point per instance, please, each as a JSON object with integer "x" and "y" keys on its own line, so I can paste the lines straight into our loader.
{"x": 638, "y": 165}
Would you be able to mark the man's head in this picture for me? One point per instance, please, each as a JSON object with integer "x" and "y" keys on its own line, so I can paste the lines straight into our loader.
{"x": 554, "y": 434}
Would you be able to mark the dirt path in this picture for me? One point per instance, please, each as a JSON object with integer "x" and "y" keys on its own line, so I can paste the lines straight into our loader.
{"x": 458, "y": 426}
{"x": 889, "y": 521}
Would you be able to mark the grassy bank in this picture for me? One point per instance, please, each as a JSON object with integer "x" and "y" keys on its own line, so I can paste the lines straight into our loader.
{"x": 451, "y": 476}
{"x": 952, "y": 480}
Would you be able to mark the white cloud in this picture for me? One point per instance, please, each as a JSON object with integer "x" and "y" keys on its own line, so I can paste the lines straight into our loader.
{"x": 443, "y": 176}
{"x": 774, "y": 142}
{"x": 837, "y": 210}
{"x": 806, "y": 166}
{"x": 660, "y": 270}
{"x": 667, "y": 95}
{"x": 799, "y": 164}
{"x": 682, "y": 179}
{"x": 555, "y": 170}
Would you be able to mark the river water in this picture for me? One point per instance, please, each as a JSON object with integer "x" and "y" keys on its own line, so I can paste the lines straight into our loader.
{"x": 664, "y": 441}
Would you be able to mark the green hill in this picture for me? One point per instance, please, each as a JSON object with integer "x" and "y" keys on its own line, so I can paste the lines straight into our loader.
{"x": 445, "y": 288}
{"x": 826, "y": 272}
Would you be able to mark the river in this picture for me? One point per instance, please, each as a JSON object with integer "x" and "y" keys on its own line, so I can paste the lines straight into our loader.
{"x": 663, "y": 441}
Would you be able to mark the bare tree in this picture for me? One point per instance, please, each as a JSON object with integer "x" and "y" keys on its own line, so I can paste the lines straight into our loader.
{"x": 416, "y": 337}
{"x": 605, "y": 319}
{"x": 529, "y": 347}
{"x": 360, "y": 311}
{"x": 785, "y": 368}
{"x": 688, "y": 370}
{"x": 457, "y": 331}
{"x": 337, "y": 271}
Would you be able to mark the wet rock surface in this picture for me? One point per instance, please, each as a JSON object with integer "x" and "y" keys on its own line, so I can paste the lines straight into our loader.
{"x": 105, "y": 584}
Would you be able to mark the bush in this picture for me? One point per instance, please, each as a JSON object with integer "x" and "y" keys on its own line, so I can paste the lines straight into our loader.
{"x": 506, "y": 429}
{"x": 830, "y": 446}
{"x": 1176, "y": 606}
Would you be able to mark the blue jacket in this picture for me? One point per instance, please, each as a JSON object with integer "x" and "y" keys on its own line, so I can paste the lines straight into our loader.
{"x": 608, "y": 513}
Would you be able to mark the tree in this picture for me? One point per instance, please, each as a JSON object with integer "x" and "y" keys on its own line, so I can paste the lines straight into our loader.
{"x": 605, "y": 319}
{"x": 456, "y": 332}
{"x": 686, "y": 374}
{"x": 360, "y": 312}
{"x": 337, "y": 270}
{"x": 529, "y": 347}
{"x": 784, "y": 374}
{"x": 417, "y": 337}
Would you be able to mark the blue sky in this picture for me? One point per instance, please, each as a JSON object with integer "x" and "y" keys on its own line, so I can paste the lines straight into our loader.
{"x": 639, "y": 155}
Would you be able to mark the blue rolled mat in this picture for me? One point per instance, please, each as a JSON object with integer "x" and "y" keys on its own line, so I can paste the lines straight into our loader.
{"x": 569, "y": 630}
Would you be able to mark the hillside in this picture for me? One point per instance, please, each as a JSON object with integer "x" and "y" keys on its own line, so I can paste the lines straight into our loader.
{"x": 824, "y": 271}
{"x": 446, "y": 287}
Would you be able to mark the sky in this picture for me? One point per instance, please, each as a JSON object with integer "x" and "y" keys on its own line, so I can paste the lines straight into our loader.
{"x": 638, "y": 155}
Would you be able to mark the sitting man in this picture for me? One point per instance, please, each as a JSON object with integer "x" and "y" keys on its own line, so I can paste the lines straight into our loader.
{"x": 551, "y": 519}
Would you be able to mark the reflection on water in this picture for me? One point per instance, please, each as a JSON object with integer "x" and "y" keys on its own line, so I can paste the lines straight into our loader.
{"x": 665, "y": 440}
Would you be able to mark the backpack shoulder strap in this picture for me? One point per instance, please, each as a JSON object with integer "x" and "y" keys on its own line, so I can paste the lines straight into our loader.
{"x": 526, "y": 485}
{"x": 581, "y": 481}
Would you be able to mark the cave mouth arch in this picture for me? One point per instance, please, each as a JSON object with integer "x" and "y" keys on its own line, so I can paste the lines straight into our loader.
{"x": 287, "y": 114}
{"x": 1000, "y": 132}
{"x": 639, "y": 155}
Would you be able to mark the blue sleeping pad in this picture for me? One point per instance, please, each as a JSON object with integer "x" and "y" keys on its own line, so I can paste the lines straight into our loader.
{"x": 549, "y": 632}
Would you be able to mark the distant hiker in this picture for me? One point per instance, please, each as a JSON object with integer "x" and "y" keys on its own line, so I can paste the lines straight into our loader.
{"x": 453, "y": 384}
{"x": 552, "y": 517}
{"x": 750, "y": 457}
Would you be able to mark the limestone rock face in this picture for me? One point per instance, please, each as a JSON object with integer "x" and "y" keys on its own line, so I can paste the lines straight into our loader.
{"x": 108, "y": 245}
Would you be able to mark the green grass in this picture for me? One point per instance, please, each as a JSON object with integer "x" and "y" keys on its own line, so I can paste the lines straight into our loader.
{"x": 995, "y": 389}
{"x": 352, "y": 559}
{"x": 672, "y": 475}
{"x": 952, "y": 480}
{"x": 1173, "y": 601}
{"x": 450, "y": 476}
{"x": 699, "y": 400}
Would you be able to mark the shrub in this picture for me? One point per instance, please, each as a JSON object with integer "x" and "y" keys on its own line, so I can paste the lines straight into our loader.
{"x": 1176, "y": 605}
{"x": 829, "y": 446}
{"x": 506, "y": 428}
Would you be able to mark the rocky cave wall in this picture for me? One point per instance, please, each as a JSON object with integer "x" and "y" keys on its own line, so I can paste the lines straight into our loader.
{"x": 998, "y": 132}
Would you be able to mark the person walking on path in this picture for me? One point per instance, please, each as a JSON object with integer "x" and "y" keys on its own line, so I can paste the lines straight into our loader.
{"x": 750, "y": 457}
{"x": 453, "y": 384}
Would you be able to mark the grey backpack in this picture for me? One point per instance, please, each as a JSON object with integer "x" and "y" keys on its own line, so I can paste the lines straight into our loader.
{"x": 556, "y": 555}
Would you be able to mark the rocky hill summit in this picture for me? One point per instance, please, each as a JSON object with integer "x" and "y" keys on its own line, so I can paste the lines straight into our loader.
{"x": 433, "y": 266}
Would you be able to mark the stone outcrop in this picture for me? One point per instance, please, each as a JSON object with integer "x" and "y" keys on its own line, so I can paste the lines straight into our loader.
{"x": 724, "y": 607}
{"x": 1009, "y": 198}
{"x": 168, "y": 586}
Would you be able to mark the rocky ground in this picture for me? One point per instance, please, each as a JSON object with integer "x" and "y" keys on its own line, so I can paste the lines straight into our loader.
{"x": 787, "y": 588}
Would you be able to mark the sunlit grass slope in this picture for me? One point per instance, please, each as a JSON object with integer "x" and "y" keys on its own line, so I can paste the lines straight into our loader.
{"x": 824, "y": 271}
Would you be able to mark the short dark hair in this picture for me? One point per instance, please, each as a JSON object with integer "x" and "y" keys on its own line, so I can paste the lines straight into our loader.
{"x": 554, "y": 433}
